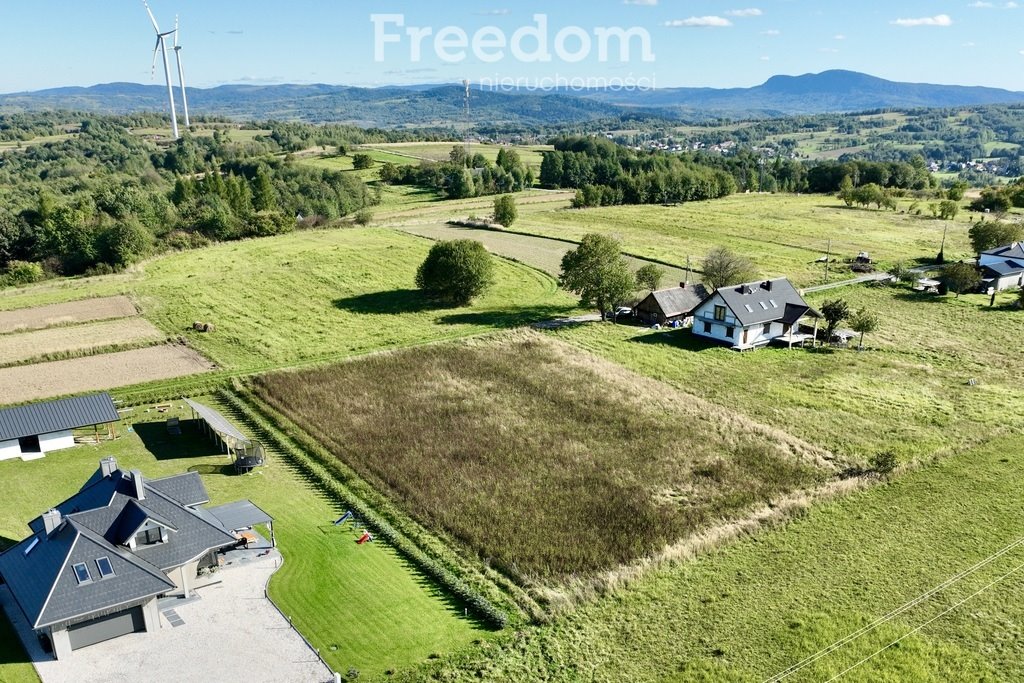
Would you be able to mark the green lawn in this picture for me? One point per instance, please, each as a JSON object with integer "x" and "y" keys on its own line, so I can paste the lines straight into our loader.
{"x": 749, "y": 611}
{"x": 908, "y": 392}
{"x": 364, "y": 607}
{"x": 783, "y": 234}
{"x": 309, "y": 296}
{"x": 531, "y": 155}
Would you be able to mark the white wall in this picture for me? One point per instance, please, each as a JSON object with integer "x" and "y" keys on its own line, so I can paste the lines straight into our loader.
{"x": 1008, "y": 282}
{"x": 56, "y": 441}
{"x": 9, "y": 450}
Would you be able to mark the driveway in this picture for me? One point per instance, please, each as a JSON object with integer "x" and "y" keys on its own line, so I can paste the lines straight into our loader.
{"x": 231, "y": 633}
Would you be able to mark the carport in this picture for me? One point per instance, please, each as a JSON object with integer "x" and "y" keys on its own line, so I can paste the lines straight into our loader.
{"x": 242, "y": 515}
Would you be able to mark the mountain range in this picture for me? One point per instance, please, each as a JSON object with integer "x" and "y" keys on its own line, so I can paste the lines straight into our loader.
{"x": 441, "y": 105}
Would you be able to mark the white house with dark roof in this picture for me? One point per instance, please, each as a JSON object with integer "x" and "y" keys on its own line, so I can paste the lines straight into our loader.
{"x": 31, "y": 431}
{"x": 1003, "y": 268}
{"x": 754, "y": 314}
{"x": 95, "y": 566}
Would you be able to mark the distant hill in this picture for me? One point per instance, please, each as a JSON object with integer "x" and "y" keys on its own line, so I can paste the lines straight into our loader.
{"x": 827, "y": 92}
{"x": 442, "y": 105}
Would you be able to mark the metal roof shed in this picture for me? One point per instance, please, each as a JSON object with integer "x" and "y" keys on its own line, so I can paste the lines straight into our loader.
{"x": 233, "y": 441}
{"x": 57, "y": 416}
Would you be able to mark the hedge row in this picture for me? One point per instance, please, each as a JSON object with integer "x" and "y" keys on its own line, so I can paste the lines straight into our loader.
{"x": 325, "y": 474}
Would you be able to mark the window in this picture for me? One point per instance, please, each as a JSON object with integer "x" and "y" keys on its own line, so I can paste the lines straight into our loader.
{"x": 764, "y": 305}
{"x": 749, "y": 309}
{"x": 730, "y": 332}
{"x": 719, "y": 313}
{"x": 772, "y": 302}
{"x": 106, "y": 570}
{"x": 707, "y": 328}
{"x": 767, "y": 328}
{"x": 82, "y": 573}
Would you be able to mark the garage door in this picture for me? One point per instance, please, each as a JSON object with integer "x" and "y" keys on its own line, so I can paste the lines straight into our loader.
{"x": 104, "y": 628}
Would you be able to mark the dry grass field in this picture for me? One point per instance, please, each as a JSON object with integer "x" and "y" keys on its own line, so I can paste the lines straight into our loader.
{"x": 87, "y": 310}
{"x": 96, "y": 373}
{"x": 547, "y": 462}
{"x": 80, "y": 339}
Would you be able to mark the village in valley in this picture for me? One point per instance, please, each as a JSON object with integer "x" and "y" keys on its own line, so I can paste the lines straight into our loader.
{"x": 510, "y": 387}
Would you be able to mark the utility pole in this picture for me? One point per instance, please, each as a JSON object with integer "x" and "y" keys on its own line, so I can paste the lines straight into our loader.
{"x": 942, "y": 249}
{"x": 469, "y": 124}
{"x": 828, "y": 260}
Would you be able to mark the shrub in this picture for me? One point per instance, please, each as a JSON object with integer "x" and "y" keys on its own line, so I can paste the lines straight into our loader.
{"x": 23, "y": 273}
{"x": 456, "y": 271}
{"x": 650, "y": 277}
{"x": 883, "y": 463}
{"x": 361, "y": 162}
{"x": 363, "y": 217}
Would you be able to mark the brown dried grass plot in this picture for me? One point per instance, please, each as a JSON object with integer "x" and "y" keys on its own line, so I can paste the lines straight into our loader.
{"x": 545, "y": 461}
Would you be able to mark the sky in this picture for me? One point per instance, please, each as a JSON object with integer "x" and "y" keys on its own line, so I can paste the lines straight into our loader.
{"x": 713, "y": 43}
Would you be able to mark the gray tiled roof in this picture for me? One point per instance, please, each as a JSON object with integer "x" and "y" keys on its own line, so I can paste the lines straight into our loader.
{"x": 1015, "y": 250}
{"x": 767, "y": 301}
{"x": 676, "y": 301}
{"x": 186, "y": 488}
{"x": 1004, "y": 268}
{"x": 56, "y": 416}
{"x": 94, "y": 523}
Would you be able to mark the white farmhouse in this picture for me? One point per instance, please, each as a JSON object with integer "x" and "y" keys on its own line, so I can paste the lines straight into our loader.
{"x": 1003, "y": 268}
{"x": 755, "y": 314}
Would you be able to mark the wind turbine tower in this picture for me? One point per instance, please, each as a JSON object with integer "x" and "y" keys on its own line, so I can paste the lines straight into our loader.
{"x": 469, "y": 120}
{"x": 161, "y": 44}
{"x": 181, "y": 76}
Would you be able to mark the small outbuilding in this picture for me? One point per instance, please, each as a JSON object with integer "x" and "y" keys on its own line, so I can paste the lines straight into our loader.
{"x": 1003, "y": 275}
{"x": 31, "y": 431}
{"x": 667, "y": 306}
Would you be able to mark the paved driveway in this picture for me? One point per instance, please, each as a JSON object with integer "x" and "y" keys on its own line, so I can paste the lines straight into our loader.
{"x": 232, "y": 633}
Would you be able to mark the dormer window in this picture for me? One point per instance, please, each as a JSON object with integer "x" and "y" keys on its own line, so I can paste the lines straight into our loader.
{"x": 151, "y": 535}
{"x": 106, "y": 569}
{"x": 82, "y": 573}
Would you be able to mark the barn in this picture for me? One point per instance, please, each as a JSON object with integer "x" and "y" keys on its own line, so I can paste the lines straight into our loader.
{"x": 31, "y": 431}
{"x": 667, "y": 306}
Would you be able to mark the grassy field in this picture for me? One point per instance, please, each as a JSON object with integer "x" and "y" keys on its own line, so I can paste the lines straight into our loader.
{"x": 783, "y": 234}
{"x": 531, "y": 155}
{"x": 309, "y": 296}
{"x": 908, "y": 392}
{"x": 751, "y": 610}
{"x": 362, "y": 606}
{"x": 545, "y": 462}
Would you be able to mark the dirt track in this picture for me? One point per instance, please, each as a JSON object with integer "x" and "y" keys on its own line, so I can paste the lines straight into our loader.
{"x": 87, "y": 310}
{"x": 15, "y": 348}
{"x": 97, "y": 373}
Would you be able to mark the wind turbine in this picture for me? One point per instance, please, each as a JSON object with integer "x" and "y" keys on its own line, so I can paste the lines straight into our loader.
{"x": 161, "y": 44}
{"x": 181, "y": 75}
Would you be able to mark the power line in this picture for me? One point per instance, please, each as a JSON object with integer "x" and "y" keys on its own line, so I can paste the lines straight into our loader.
{"x": 807, "y": 661}
{"x": 933, "y": 619}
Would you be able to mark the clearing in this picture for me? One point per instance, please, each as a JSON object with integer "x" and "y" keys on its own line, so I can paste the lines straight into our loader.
{"x": 86, "y": 310}
{"x": 96, "y": 373}
{"x": 18, "y": 348}
{"x": 546, "y": 462}
{"x": 364, "y": 607}
{"x": 540, "y": 252}
{"x": 750, "y": 610}
{"x": 908, "y": 392}
{"x": 783, "y": 234}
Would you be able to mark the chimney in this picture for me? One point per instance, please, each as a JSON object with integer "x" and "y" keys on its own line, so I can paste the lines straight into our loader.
{"x": 682, "y": 285}
{"x": 108, "y": 466}
{"x": 51, "y": 520}
{"x": 138, "y": 489}
{"x": 767, "y": 285}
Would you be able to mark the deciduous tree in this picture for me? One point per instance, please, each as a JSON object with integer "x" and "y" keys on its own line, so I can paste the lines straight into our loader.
{"x": 455, "y": 272}
{"x": 723, "y": 268}
{"x": 961, "y": 277}
{"x": 864, "y": 322}
{"x": 597, "y": 272}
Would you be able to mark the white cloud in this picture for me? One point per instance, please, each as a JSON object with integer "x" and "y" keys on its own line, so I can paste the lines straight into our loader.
{"x": 700, "y": 22}
{"x": 749, "y": 12}
{"x": 937, "y": 20}
{"x": 981, "y": 4}
{"x": 839, "y": 36}
{"x": 1021, "y": 52}
{"x": 969, "y": 43}
{"x": 829, "y": 50}
{"x": 1011, "y": 5}
{"x": 766, "y": 58}
{"x": 645, "y": 3}
{"x": 771, "y": 32}
{"x": 493, "y": 13}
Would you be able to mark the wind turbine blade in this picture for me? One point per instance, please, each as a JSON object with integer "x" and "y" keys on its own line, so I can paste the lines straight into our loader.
{"x": 175, "y": 31}
{"x": 152, "y": 68}
{"x": 156, "y": 26}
